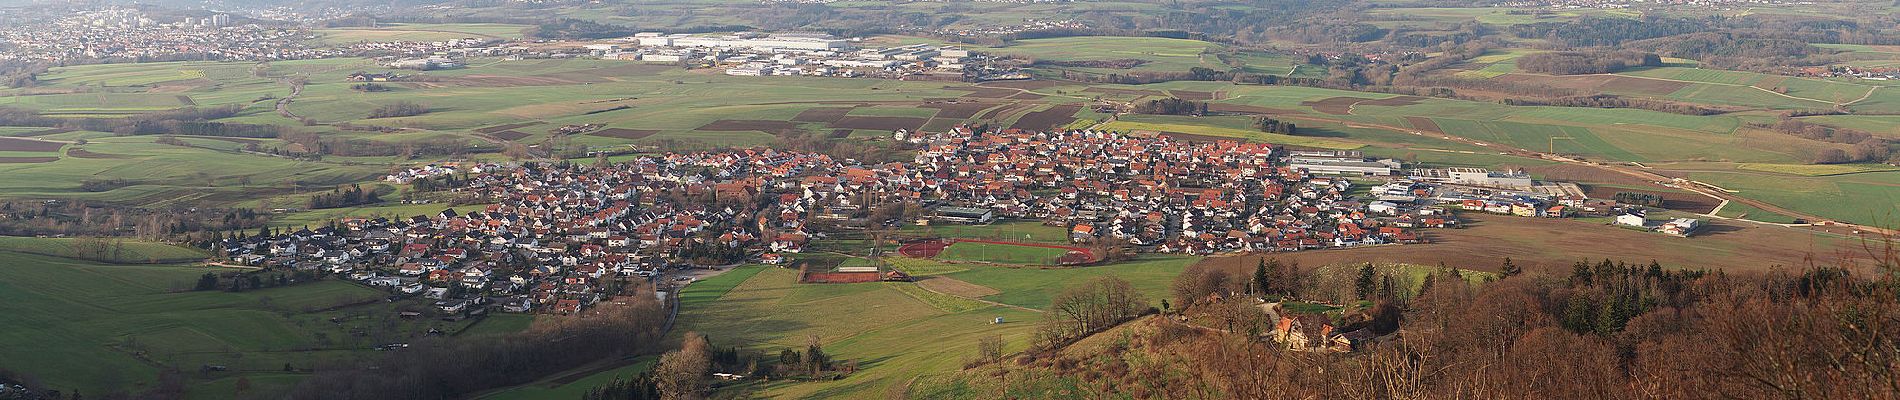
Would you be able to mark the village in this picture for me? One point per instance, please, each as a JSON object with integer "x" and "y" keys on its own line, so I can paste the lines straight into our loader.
{"x": 558, "y": 237}
{"x": 771, "y": 54}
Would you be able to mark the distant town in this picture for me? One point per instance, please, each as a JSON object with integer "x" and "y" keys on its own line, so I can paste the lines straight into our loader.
{"x": 547, "y": 235}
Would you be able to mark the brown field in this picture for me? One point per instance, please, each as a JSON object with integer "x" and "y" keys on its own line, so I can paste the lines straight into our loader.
{"x": 1333, "y": 105}
{"x": 821, "y": 114}
{"x": 82, "y": 153}
{"x": 17, "y": 144}
{"x": 1423, "y": 124}
{"x": 624, "y": 133}
{"x": 510, "y": 135}
{"x": 958, "y": 110}
{"x": 27, "y": 160}
{"x": 1192, "y": 95}
{"x": 1048, "y": 119}
{"x": 1246, "y": 109}
{"x": 986, "y": 92}
{"x": 1580, "y": 173}
{"x": 499, "y": 128}
{"x": 940, "y": 124}
{"x": 1130, "y": 92}
{"x": 1552, "y": 245}
{"x": 1682, "y": 201}
{"x": 996, "y": 113}
{"x": 954, "y": 287}
{"x": 878, "y": 123}
{"x": 1026, "y": 96}
{"x": 1027, "y": 85}
{"x": 732, "y": 125}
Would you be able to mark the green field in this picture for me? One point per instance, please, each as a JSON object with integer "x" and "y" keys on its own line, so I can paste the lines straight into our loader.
{"x": 418, "y": 33}
{"x": 100, "y": 328}
{"x": 892, "y": 334}
{"x": 1035, "y": 288}
{"x": 116, "y": 251}
{"x": 1001, "y": 253}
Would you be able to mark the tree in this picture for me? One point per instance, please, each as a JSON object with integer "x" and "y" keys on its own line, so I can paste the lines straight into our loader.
{"x": 682, "y": 373}
{"x": 1088, "y": 307}
{"x": 1261, "y": 284}
{"x": 990, "y": 348}
{"x": 1366, "y": 283}
{"x": 208, "y": 281}
{"x": 1509, "y": 269}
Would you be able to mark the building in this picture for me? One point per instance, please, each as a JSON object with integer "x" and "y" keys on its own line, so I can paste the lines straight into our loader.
{"x": 1635, "y": 219}
{"x": 1359, "y": 168}
{"x": 1475, "y": 177}
{"x": 968, "y": 215}
{"x": 1680, "y": 226}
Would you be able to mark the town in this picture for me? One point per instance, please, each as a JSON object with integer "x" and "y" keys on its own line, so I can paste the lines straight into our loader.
{"x": 760, "y": 54}
{"x": 556, "y": 237}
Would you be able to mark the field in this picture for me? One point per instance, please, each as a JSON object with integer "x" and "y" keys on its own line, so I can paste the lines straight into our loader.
{"x": 127, "y": 251}
{"x": 418, "y": 33}
{"x": 520, "y": 101}
{"x": 1544, "y": 245}
{"x": 896, "y": 331}
{"x": 1007, "y": 253}
{"x": 103, "y": 328}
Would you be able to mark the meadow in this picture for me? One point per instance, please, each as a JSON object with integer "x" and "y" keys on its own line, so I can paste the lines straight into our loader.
{"x": 79, "y": 325}
{"x": 1001, "y": 253}
{"x": 893, "y": 334}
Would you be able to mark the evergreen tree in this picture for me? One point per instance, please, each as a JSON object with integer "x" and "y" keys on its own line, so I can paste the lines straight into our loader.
{"x": 1364, "y": 286}
{"x": 1261, "y": 285}
{"x": 1509, "y": 269}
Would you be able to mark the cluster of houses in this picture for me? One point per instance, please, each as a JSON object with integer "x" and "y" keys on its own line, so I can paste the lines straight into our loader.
{"x": 764, "y": 54}
{"x": 1159, "y": 194}
{"x": 559, "y": 237}
{"x": 422, "y": 172}
{"x": 1675, "y": 226}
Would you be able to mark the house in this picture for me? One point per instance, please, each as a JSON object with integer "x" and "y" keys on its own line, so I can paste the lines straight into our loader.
{"x": 452, "y": 306}
{"x": 1634, "y": 218}
{"x": 1680, "y": 226}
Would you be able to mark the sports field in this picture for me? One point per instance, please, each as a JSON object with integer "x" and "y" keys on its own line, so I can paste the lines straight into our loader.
{"x": 1002, "y": 253}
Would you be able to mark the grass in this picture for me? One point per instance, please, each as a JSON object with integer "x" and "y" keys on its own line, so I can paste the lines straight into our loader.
{"x": 1871, "y": 197}
{"x": 1240, "y": 134}
{"x": 1035, "y": 288}
{"x": 1752, "y": 213}
{"x": 120, "y": 251}
{"x": 76, "y": 325}
{"x": 1026, "y": 231}
{"x": 1001, "y": 253}
{"x": 892, "y": 334}
{"x": 1817, "y": 169}
{"x": 574, "y": 389}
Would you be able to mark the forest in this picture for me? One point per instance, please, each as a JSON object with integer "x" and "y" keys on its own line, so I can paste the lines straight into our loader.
{"x": 1606, "y": 330}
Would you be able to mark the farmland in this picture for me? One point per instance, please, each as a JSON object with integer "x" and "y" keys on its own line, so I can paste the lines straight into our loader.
{"x": 104, "y": 328}
{"x": 886, "y": 334}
